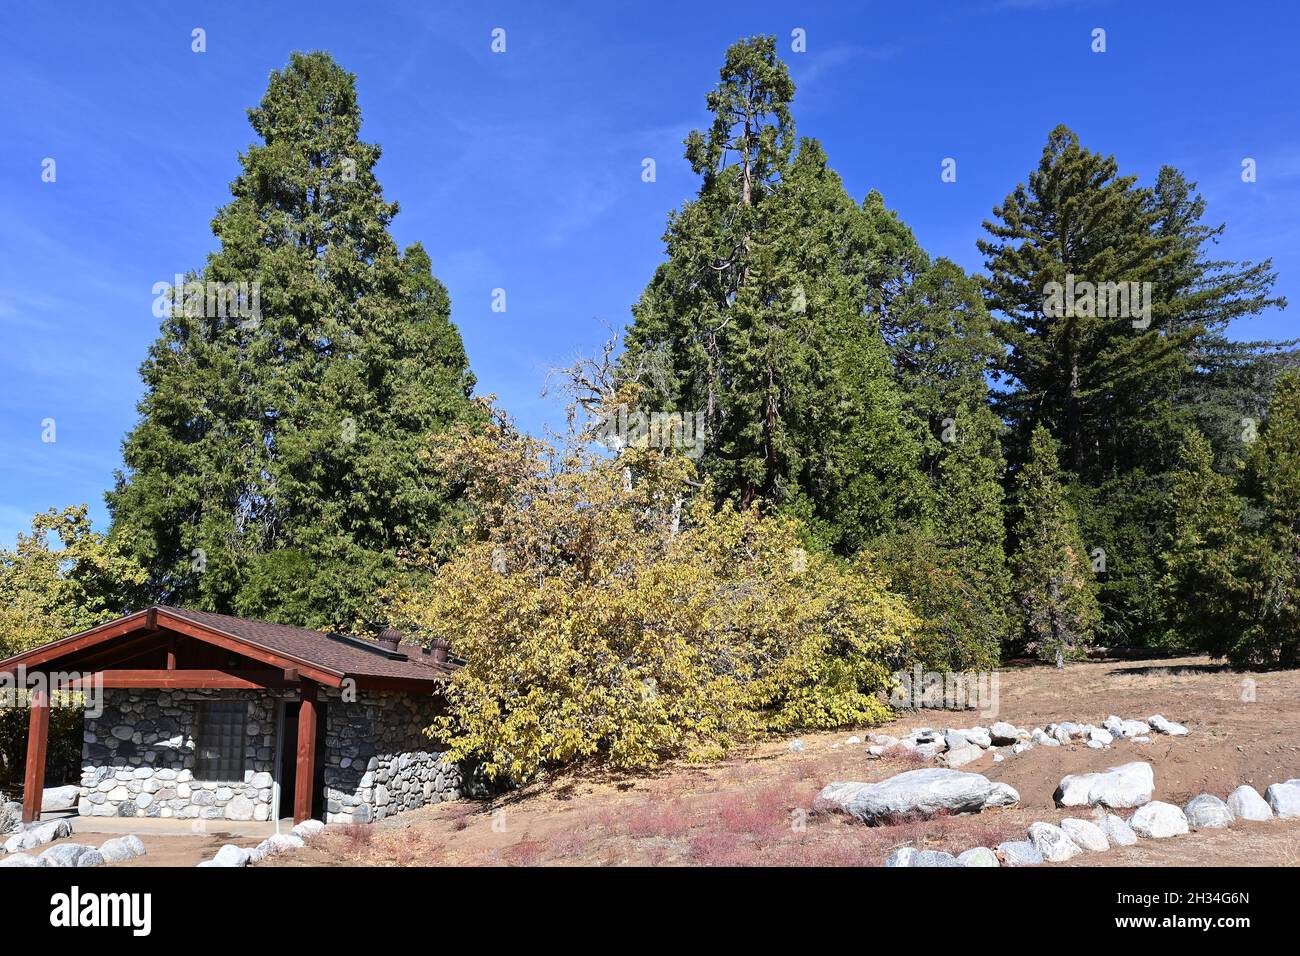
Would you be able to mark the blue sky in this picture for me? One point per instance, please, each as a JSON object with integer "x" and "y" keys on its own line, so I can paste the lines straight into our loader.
{"x": 523, "y": 170}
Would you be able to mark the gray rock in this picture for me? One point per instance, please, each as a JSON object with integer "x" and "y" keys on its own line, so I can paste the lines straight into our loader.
{"x": 1020, "y": 746}
{"x": 1053, "y": 843}
{"x": 1041, "y": 738}
{"x": 1019, "y": 853}
{"x": 1136, "y": 729}
{"x": 906, "y": 856}
{"x": 121, "y": 849}
{"x": 90, "y": 858}
{"x": 1099, "y": 736}
{"x": 1245, "y": 803}
{"x": 1158, "y": 820}
{"x": 276, "y": 843}
{"x": 66, "y": 854}
{"x": 1086, "y": 835}
{"x": 960, "y": 756}
{"x": 228, "y": 856}
{"x": 1128, "y": 785}
{"x": 1207, "y": 812}
{"x": 1284, "y": 799}
{"x": 917, "y": 792}
{"x": 308, "y": 829}
{"x": 38, "y": 834}
{"x": 1162, "y": 726}
{"x": 955, "y": 739}
{"x": 1115, "y": 725}
{"x": 1118, "y": 831}
{"x": 1003, "y": 733}
{"x": 796, "y": 747}
{"x": 978, "y": 856}
{"x": 11, "y": 817}
{"x": 1061, "y": 734}
{"x": 60, "y": 799}
{"x": 22, "y": 860}
{"x": 978, "y": 736}
{"x": 240, "y": 808}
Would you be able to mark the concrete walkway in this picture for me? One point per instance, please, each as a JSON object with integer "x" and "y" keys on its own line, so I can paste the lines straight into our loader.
{"x": 154, "y": 826}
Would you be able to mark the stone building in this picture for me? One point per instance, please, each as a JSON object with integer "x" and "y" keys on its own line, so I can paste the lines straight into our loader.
{"x": 192, "y": 715}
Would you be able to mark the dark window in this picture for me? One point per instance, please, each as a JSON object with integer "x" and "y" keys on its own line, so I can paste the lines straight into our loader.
{"x": 221, "y": 740}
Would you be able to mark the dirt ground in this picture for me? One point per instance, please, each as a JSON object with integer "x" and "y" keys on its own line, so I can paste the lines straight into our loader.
{"x": 757, "y": 808}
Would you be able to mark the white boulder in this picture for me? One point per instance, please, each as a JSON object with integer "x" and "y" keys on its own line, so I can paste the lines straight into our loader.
{"x": 60, "y": 799}
{"x": 1053, "y": 843}
{"x": 1128, "y": 785}
{"x": 1158, "y": 820}
{"x": 978, "y": 856}
{"x": 1086, "y": 834}
{"x": 1019, "y": 853}
{"x": 121, "y": 849}
{"x": 229, "y": 856}
{"x": 1284, "y": 799}
{"x": 38, "y": 834}
{"x": 308, "y": 829}
{"x": 1003, "y": 733}
{"x": 919, "y": 793}
{"x": 1117, "y": 831}
{"x": 1207, "y": 812}
{"x": 1245, "y": 803}
{"x": 1163, "y": 726}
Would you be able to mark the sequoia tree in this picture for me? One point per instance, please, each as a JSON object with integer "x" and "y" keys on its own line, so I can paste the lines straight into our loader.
{"x": 764, "y": 318}
{"x": 276, "y": 467}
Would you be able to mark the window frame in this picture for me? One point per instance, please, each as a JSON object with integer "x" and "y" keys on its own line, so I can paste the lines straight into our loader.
{"x": 219, "y": 717}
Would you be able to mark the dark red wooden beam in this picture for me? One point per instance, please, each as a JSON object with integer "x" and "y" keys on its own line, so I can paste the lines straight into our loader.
{"x": 305, "y": 777}
{"x": 196, "y": 679}
{"x": 38, "y": 737}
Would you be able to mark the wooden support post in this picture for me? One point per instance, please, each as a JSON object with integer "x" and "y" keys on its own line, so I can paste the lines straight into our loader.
{"x": 305, "y": 778}
{"x": 38, "y": 738}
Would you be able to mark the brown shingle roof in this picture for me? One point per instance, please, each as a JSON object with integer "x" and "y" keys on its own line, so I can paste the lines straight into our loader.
{"x": 350, "y": 656}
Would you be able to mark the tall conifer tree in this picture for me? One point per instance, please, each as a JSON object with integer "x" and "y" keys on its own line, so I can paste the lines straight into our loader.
{"x": 762, "y": 318}
{"x": 277, "y": 467}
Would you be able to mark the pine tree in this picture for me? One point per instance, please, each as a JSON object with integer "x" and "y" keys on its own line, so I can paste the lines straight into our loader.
{"x": 1054, "y": 580}
{"x": 1233, "y": 554}
{"x": 762, "y": 320}
{"x": 942, "y": 346}
{"x": 277, "y": 468}
{"x": 1203, "y": 552}
{"x": 1118, "y": 390}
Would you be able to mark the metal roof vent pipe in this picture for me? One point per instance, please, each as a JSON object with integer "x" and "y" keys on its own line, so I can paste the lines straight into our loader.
{"x": 439, "y": 648}
{"x": 389, "y": 639}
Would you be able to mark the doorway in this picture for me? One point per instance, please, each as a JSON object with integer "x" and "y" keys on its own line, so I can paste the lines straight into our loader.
{"x": 288, "y": 775}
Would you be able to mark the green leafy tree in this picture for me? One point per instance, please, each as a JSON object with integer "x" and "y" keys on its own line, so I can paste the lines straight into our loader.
{"x": 1053, "y": 576}
{"x": 764, "y": 318}
{"x": 62, "y": 578}
{"x": 276, "y": 468}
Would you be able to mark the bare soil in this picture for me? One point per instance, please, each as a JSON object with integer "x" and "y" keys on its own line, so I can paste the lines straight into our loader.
{"x": 757, "y": 808}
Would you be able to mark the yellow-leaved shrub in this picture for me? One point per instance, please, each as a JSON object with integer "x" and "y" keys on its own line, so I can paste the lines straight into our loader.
{"x": 606, "y": 608}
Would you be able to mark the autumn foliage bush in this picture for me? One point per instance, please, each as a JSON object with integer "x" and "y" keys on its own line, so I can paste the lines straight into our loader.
{"x": 606, "y": 608}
